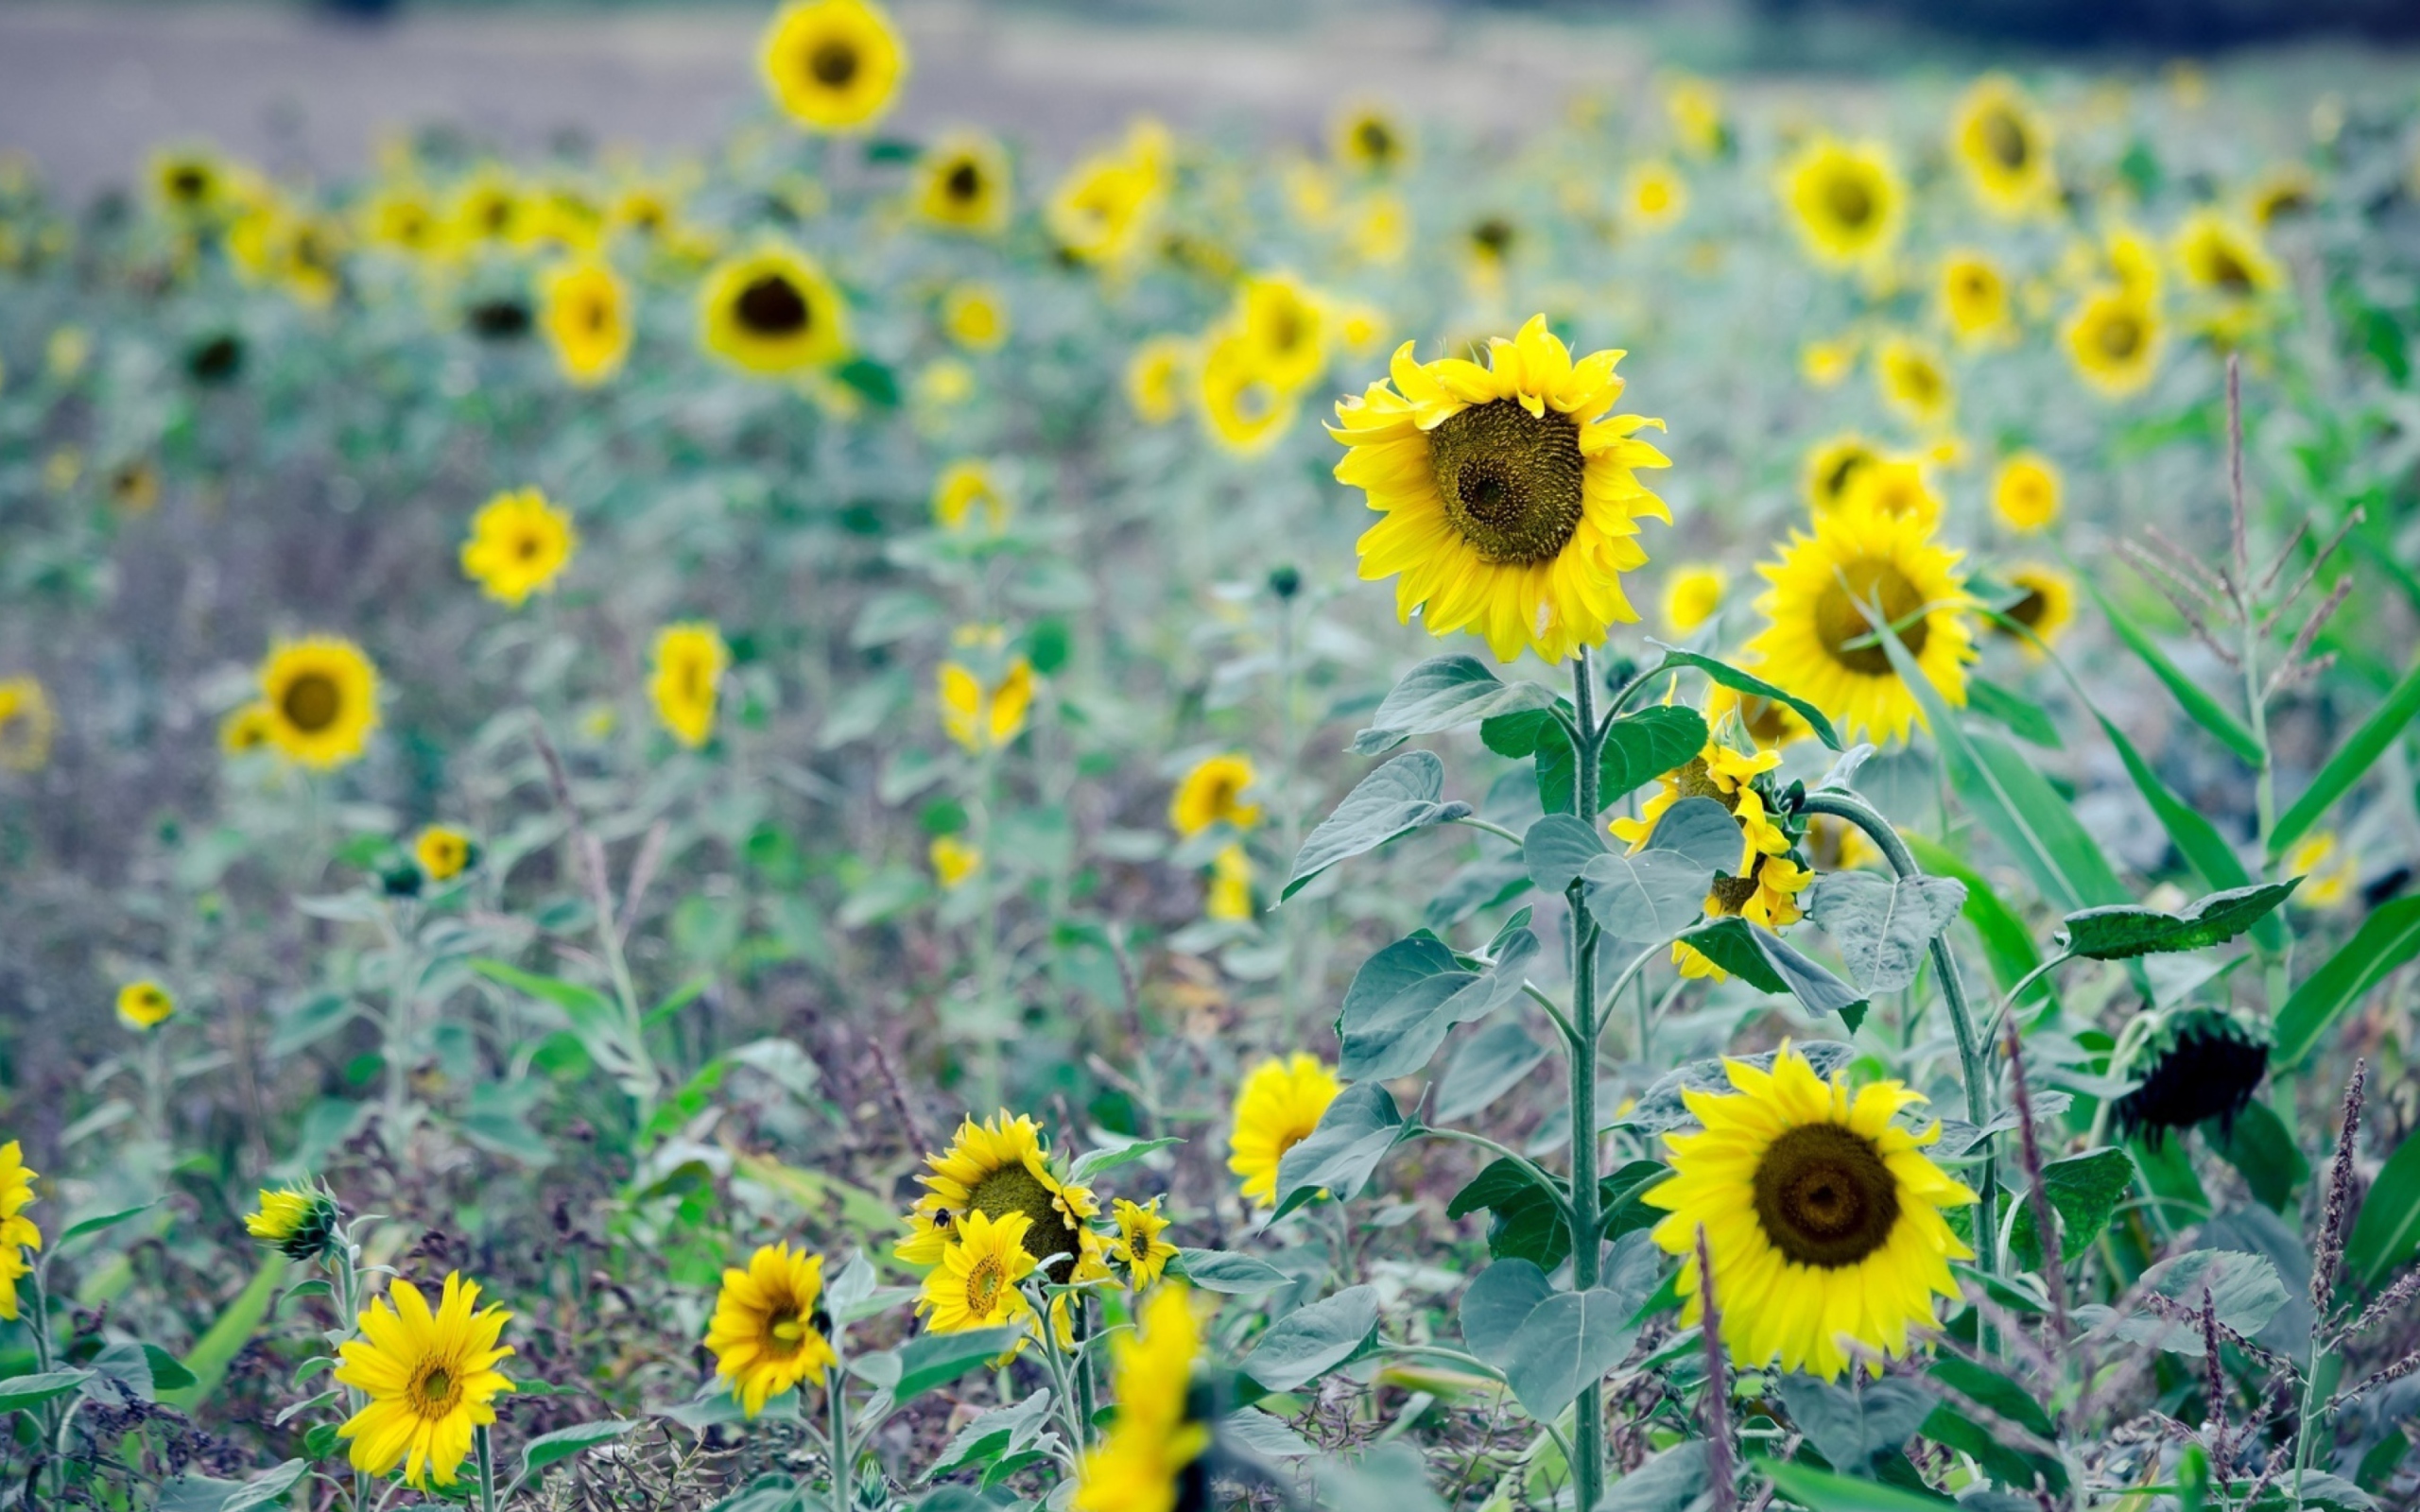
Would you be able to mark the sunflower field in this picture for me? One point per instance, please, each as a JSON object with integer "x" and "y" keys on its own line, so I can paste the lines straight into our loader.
{"x": 1709, "y": 810}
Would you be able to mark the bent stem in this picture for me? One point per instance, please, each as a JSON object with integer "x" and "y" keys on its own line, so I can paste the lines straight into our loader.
{"x": 1589, "y": 1422}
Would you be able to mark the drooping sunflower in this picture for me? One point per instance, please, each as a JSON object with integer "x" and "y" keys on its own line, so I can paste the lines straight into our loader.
{"x": 965, "y": 488}
{"x": 998, "y": 1169}
{"x": 444, "y": 852}
{"x": 1276, "y": 1109}
{"x": 963, "y": 183}
{"x": 975, "y": 316}
{"x": 1103, "y": 211}
{"x": 1139, "y": 1246}
{"x": 690, "y": 658}
{"x": 2003, "y": 143}
{"x": 585, "y": 312}
{"x": 1763, "y": 885}
{"x": 1153, "y": 1459}
{"x": 1509, "y": 494}
{"x": 519, "y": 544}
{"x": 1212, "y": 793}
{"x": 430, "y": 1376}
{"x": 1654, "y": 196}
{"x": 2201, "y": 1064}
{"x": 1368, "y": 137}
{"x": 2046, "y": 602}
{"x": 831, "y": 65}
{"x": 1822, "y": 1217}
{"x": 2114, "y": 339}
{"x": 767, "y": 1332}
{"x": 1895, "y": 486}
{"x": 1243, "y": 408}
{"x": 1818, "y": 642}
{"x": 1155, "y": 379}
{"x": 1913, "y": 380}
{"x": 144, "y": 1005}
{"x": 953, "y": 861}
{"x": 27, "y": 724}
{"x": 1832, "y": 465}
{"x": 298, "y": 1222}
{"x": 1229, "y": 899}
{"x": 1974, "y": 297}
{"x": 18, "y": 1233}
{"x": 1846, "y": 199}
{"x": 974, "y": 1284}
{"x": 2025, "y": 492}
{"x": 1692, "y": 594}
{"x": 321, "y": 695}
{"x": 2223, "y": 256}
{"x": 982, "y": 715}
{"x": 771, "y": 311}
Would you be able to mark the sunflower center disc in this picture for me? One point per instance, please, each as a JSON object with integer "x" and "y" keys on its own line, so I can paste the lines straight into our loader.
{"x": 983, "y": 1286}
{"x": 2027, "y": 611}
{"x": 311, "y": 702}
{"x": 784, "y": 1332}
{"x": 1375, "y": 143}
{"x": 1511, "y": 480}
{"x": 1731, "y": 894}
{"x": 2004, "y": 139}
{"x": 2120, "y": 336}
{"x": 438, "y": 1392}
{"x": 1014, "y": 1189}
{"x": 1838, "y": 619}
{"x": 832, "y": 63}
{"x": 1851, "y": 202}
{"x": 771, "y": 307}
{"x": 963, "y": 182}
{"x": 1824, "y": 1197}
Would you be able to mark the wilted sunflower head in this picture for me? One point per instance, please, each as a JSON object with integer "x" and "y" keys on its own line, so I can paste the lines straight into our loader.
{"x": 2201, "y": 1064}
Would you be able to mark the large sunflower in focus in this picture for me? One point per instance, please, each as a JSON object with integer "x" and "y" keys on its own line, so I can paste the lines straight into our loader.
{"x": 321, "y": 696}
{"x": 1847, "y": 199}
{"x": 963, "y": 183}
{"x": 1823, "y": 1217}
{"x": 2004, "y": 146}
{"x": 996, "y": 1169}
{"x": 1509, "y": 491}
{"x": 429, "y": 1378}
{"x": 771, "y": 311}
{"x": 831, "y": 65}
{"x": 1818, "y": 642}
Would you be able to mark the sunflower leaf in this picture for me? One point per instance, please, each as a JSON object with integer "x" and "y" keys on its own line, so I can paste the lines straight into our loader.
{"x": 1223, "y": 1270}
{"x": 1445, "y": 693}
{"x": 2084, "y": 1190}
{"x": 1652, "y": 895}
{"x": 1883, "y": 924}
{"x": 1407, "y": 794}
{"x": 1557, "y": 848}
{"x": 1642, "y": 746}
{"x": 1095, "y": 1162}
{"x": 2119, "y": 933}
{"x": 1338, "y": 1156}
{"x": 1312, "y": 1340}
{"x": 1405, "y": 999}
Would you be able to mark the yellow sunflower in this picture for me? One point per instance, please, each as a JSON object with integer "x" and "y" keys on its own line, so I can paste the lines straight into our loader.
{"x": 1914, "y": 382}
{"x": 2025, "y": 492}
{"x": 1285, "y": 327}
{"x": 953, "y": 861}
{"x": 985, "y": 716}
{"x": 298, "y": 1222}
{"x": 1155, "y": 379}
{"x": 247, "y": 729}
{"x": 976, "y": 317}
{"x": 2046, "y": 602}
{"x": 18, "y": 1233}
{"x": 1378, "y": 227}
{"x": 998, "y": 1169}
{"x": 1765, "y": 883}
{"x": 520, "y": 544}
{"x": 1832, "y": 465}
{"x": 1369, "y": 138}
{"x": 1818, "y": 642}
{"x": 401, "y": 217}
{"x": 585, "y": 312}
{"x": 145, "y": 1005}
{"x": 1212, "y": 793}
{"x": 2114, "y": 339}
{"x": 489, "y": 209}
{"x": 192, "y": 182}
{"x": 1242, "y": 408}
{"x": 831, "y": 65}
{"x": 1509, "y": 491}
{"x": 1654, "y": 197}
{"x": 27, "y": 724}
{"x": 1846, "y": 198}
{"x": 1152, "y": 1459}
{"x": 321, "y": 695}
{"x": 973, "y": 1284}
{"x": 1103, "y": 211}
{"x": 1974, "y": 297}
{"x": 1694, "y": 108}
{"x": 772, "y": 311}
{"x": 2289, "y": 189}
{"x": 134, "y": 487}
{"x": 965, "y": 489}
{"x": 2223, "y": 256}
{"x": 690, "y": 658}
{"x": 767, "y": 1333}
{"x": 1894, "y": 486}
{"x": 1138, "y": 1245}
{"x": 1276, "y": 1109}
{"x": 1692, "y": 594}
{"x": 1229, "y": 897}
{"x": 1823, "y": 364}
{"x": 444, "y": 852}
{"x": 1823, "y": 1217}
{"x": 2003, "y": 143}
{"x": 962, "y": 184}
{"x": 430, "y": 1377}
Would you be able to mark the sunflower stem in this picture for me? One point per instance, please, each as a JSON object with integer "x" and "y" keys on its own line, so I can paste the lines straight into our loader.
{"x": 486, "y": 1450}
{"x": 1588, "y": 1421}
{"x": 837, "y": 1402}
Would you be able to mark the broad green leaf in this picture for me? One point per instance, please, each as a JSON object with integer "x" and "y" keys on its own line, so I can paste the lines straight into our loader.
{"x": 1557, "y": 848}
{"x": 168, "y": 1373}
{"x": 2258, "y": 1145}
{"x": 1739, "y": 682}
{"x": 2190, "y": 696}
{"x": 2362, "y": 749}
{"x": 1858, "y": 1418}
{"x": 2083, "y": 1190}
{"x": 1338, "y": 1156}
{"x": 1659, "y": 1109}
{"x": 1516, "y": 735}
{"x": 2389, "y": 938}
{"x": 2386, "y": 1235}
{"x": 1096, "y": 1163}
{"x": 1312, "y": 1340}
{"x": 1883, "y": 925}
{"x": 931, "y": 1360}
{"x": 2120, "y": 932}
{"x": 310, "y": 1021}
{"x": 1645, "y": 896}
{"x": 994, "y": 1435}
{"x": 1489, "y": 1064}
{"x": 1704, "y": 831}
{"x": 1525, "y": 1220}
{"x": 2021, "y": 716}
{"x": 1445, "y": 693}
{"x": 1405, "y": 999}
{"x": 1407, "y": 794}
{"x": 1265, "y": 1435}
{"x": 1642, "y": 746}
{"x": 1223, "y": 1270}
{"x": 200, "y": 1493}
{"x": 19, "y": 1392}
{"x": 1385, "y": 1478}
{"x": 2245, "y": 1291}
{"x": 1673, "y": 1481}
{"x": 2008, "y": 945}
{"x": 1550, "y": 1344}
{"x": 1767, "y": 962}
{"x": 547, "y": 1449}
{"x": 1824, "y": 1491}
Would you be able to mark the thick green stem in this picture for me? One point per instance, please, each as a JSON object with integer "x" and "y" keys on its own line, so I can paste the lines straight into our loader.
{"x": 1588, "y": 1423}
{"x": 837, "y": 1400}
{"x": 486, "y": 1453}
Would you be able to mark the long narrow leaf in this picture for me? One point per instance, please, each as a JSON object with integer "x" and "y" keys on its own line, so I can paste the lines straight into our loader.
{"x": 2195, "y": 699}
{"x": 2389, "y": 938}
{"x": 2362, "y": 749}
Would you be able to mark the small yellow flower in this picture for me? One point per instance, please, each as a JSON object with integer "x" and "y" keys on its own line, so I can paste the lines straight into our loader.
{"x": 1155, "y": 379}
{"x": 1913, "y": 380}
{"x": 2004, "y": 146}
{"x": 1105, "y": 208}
{"x": 442, "y": 852}
{"x": 1229, "y": 897}
{"x": 1370, "y": 138}
{"x": 1832, "y": 466}
{"x": 2114, "y": 340}
{"x": 965, "y": 488}
{"x": 1212, "y": 793}
{"x": 1654, "y": 196}
{"x": 18, "y": 1232}
{"x": 2025, "y": 493}
{"x": 145, "y": 1005}
{"x": 430, "y": 1377}
{"x": 585, "y": 312}
{"x": 247, "y": 728}
{"x": 767, "y": 1330}
{"x": 1378, "y": 227}
{"x": 2328, "y": 872}
{"x": 1896, "y": 486}
{"x": 1823, "y": 364}
{"x": 831, "y": 65}
{"x": 1692, "y": 594}
{"x": 28, "y": 724}
{"x": 1138, "y": 1245}
{"x": 1974, "y": 297}
{"x": 982, "y": 717}
{"x": 67, "y": 352}
{"x": 1276, "y": 1109}
{"x": 520, "y": 544}
{"x": 976, "y": 317}
{"x": 964, "y": 184}
{"x": 1245, "y": 410}
{"x": 953, "y": 860}
{"x": 2046, "y": 602}
{"x": 321, "y": 696}
{"x": 690, "y": 658}
{"x": 975, "y": 1286}
{"x": 1847, "y": 200}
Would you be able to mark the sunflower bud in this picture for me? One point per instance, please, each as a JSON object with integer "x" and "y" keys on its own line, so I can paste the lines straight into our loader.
{"x": 297, "y": 1223}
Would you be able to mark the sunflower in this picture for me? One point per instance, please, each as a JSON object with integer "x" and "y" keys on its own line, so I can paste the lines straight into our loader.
{"x": 1769, "y": 722}
{"x": 192, "y": 183}
{"x": 2114, "y": 339}
{"x": 1818, "y": 642}
{"x": 2326, "y": 867}
{"x": 134, "y": 485}
{"x": 1378, "y": 227}
{"x": 1103, "y": 211}
{"x": 983, "y": 716}
{"x": 518, "y": 545}
{"x": 831, "y": 65}
{"x": 321, "y": 695}
{"x": 247, "y": 728}
{"x": 1153, "y": 1459}
{"x": 1276, "y": 1109}
{"x": 1974, "y": 297}
{"x": 975, "y": 316}
{"x": 444, "y": 852}
{"x": 144, "y": 1005}
{"x": 1694, "y": 108}
{"x": 1846, "y": 198}
{"x": 1286, "y": 328}
{"x": 2223, "y": 256}
{"x": 963, "y": 488}
{"x": 1212, "y": 794}
{"x": 18, "y": 1232}
{"x": 27, "y": 724}
{"x": 1764, "y": 884}
{"x": 490, "y": 210}
{"x": 1823, "y": 364}
{"x": 2046, "y": 602}
{"x": 401, "y": 217}
{"x": 1914, "y": 382}
{"x": 973, "y": 1284}
{"x": 2025, "y": 492}
{"x": 1242, "y": 408}
{"x": 1832, "y": 465}
{"x": 1230, "y": 896}
{"x": 2003, "y": 144}
{"x": 690, "y": 658}
{"x": 430, "y": 1378}
{"x": 585, "y": 312}
{"x": 1138, "y": 1245}
{"x": 771, "y": 311}
{"x": 2286, "y": 190}
{"x": 1836, "y": 844}
{"x": 767, "y": 1332}
{"x": 1508, "y": 493}
{"x": 2201, "y": 1064}
{"x": 1369, "y": 138}
{"x": 953, "y": 861}
{"x": 1654, "y": 196}
{"x": 1898, "y": 486}
{"x": 1822, "y": 1216}
{"x": 1692, "y": 594}
{"x": 1155, "y": 379}
{"x": 298, "y": 1222}
{"x": 2132, "y": 261}
{"x": 997, "y": 1169}
{"x": 963, "y": 183}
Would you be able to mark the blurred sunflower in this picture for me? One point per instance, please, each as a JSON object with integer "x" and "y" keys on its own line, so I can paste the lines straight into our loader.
{"x": 997, "y": 1169}
{"x": 1654, "y": 197}
{"x": 322, "y": 696}
{"x": 1846, "y": 199}
{"x": 1212, "y": 793}
{"x": 1104, "y": 209}
{"x": 2221, "y": 255}
{"x": 27, "y": 724}
{"x": 2045, "y": 602}
{"x": 690, "y": 658}
{"x": 1286, "y": 328}
{"x": 2003, "y": 143}
{"x": 401, "y": 217}
{"x": 1369, "y": 138}
{"x": 1379, "y": 227}
{"x": 1823, "y": 364}
{"x": 965, "y": 487}
{"x": 430, "y": 1378}
{"x": 1914, "y": 382}
{"x": 1276, "y": 1108}
{"x": 1974, "y": 297}
{"x": 1692, "y": 594}
{"x": 953, "y": 861}
{"x": 1155, "y": 379}
{"x": 975, "y": 316}
{"x": 1821, "y": 1217}
{"x": 519, "y": 544}
{"x": 2025, "y": 492}
{"x": 193, "y": 183}
{"x": 487, "y": 212}
{"x": 2289, "y": 189}
{"x": 585, "y": 312}
{"x": 831, "y": 65}
{"x": 1509, "y": 491}
{"x": 1229, "y": 899}
{"x": 145, "y": 1005}
{"x": 1694, "y": 110}
{"x": 1818, "y": 642}
{"x": 985, "y": 716}
{"x": 18, "y": 1233}
{"x": 2114, "y": 340}
{"x": 247, "y": 728}
{"x": 1895, "y": 487}
{"x": 444, "y": 852}
{"x": 1152, "y": 1459}
{"x": 1139, "y": 1246}
{"x": 1769, "y": 722}
{"x": 1243, "y": 409}
{"x": 2327, "y": 868}
{"x": 771, "y": 311}
{"x": 768, "y": 1325}
{"x": 963, "y": 183}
